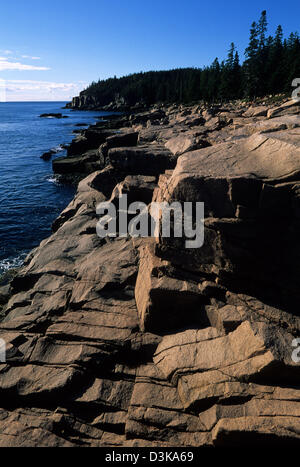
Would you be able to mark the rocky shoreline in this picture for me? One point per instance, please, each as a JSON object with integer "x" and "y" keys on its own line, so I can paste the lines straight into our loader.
{"x": 140, "y": 342}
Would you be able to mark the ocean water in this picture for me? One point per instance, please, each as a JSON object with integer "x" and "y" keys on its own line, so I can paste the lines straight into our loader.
{"x": 30, "y": 198}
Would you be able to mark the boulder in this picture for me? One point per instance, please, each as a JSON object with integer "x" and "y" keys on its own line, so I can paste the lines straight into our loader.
{"x": 144, "y": 117}
{"x": 149, "y": 135}
{"x": 205, "y": 351}
{"x": 89, "y": 139}
{"x": 83, "y": 164}
{"x": 185, "y": 143}
{"x": 226, "y": 318}
{"x": 217, "y": 123}
{"x": 288, "y": 108}
{"x": 160, "y": 298}
{"x": 137, "y": 188}
{"x": 256, "y": 111}
{"x": 105, "y": 180}
{"x": 130, "y": 138}
{"x": 209, "y": 113}
{"x": 142, "y": 160}
{"x": 265, "y": 126}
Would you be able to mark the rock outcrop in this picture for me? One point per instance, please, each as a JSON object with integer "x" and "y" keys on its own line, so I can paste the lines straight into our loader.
{"x": 141, "y": 341}
{"x": 54, "y": 115}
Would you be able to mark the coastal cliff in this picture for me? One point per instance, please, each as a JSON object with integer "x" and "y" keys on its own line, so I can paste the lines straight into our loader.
{"x": 139, "y": 341}
{"x": 87, "y": 101}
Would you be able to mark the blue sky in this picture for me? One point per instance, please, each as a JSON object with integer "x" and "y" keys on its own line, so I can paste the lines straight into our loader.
{"x": 51, "y": 50}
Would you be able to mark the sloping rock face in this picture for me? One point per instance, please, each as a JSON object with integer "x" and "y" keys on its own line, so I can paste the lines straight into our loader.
{"x": 143, "y": 342}
{"x": 250, "y": 191}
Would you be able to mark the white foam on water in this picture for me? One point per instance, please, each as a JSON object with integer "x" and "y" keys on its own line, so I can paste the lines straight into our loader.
{"x": 10, "y": 263}
{"x": 58, "y": 149}
{"x": 52, "y": 179}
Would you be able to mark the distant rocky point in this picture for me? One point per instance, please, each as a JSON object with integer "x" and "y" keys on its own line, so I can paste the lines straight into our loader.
{"x": 53, "y": 115}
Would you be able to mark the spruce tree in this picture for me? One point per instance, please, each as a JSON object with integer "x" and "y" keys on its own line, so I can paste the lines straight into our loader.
{"x": 275, "y": 67}
{"x": 262, "y": 30}
{"x": 251, "y": 63}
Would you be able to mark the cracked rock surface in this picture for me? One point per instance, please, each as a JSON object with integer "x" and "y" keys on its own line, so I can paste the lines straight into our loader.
{"x": 141, "y": 342}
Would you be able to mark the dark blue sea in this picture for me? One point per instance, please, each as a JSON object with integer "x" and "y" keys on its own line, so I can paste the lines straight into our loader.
{"x": 30, "y": 198}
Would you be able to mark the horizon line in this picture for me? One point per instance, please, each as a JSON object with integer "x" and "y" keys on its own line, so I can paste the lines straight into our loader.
{"x": 14, "y": 102}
